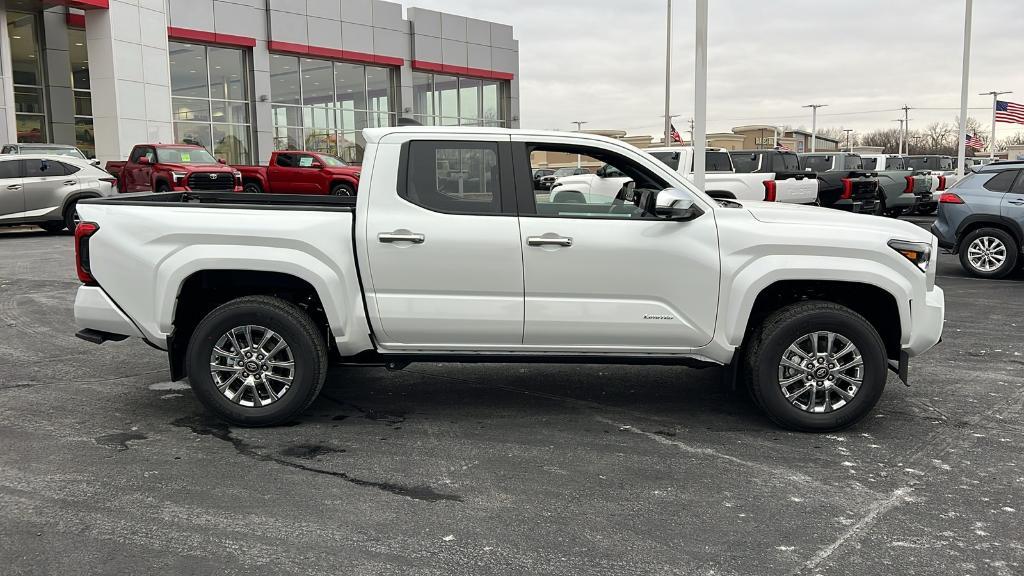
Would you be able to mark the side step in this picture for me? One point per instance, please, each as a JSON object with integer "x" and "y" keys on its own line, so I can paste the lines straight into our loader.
{"x": 99, "y": 337}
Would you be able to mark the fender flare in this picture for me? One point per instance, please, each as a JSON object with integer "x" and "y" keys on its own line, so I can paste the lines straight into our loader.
{"x": 75, "y": 197}
{"x": 996, "y": 221}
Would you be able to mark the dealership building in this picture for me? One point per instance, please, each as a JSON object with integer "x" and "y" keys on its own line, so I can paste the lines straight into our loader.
{"x": 245, "y": 77}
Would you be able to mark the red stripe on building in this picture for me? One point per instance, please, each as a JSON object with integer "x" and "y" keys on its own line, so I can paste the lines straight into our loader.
{"x": 76, "y": 20}
{"x": 333, "y": 53}
{"x": 175, "y": 33}
{"x": 461, "y": 70}
{"x": 81, "y": 4}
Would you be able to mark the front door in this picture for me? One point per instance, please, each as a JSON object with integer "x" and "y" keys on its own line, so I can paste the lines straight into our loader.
{"x": 606, "y": 276}
{"x": 442, "y": 243}
{"x": 1012, "y": 207}
{"x": 12, "y": 196}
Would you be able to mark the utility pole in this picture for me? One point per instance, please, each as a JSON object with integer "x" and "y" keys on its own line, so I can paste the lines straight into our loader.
{"x": 906, "y": 125}
{"x": 579, "y": 128}
{"x": 691, "y": 130}
{"x": 961, "y": 155}
{"x": 995, "y": 100}
{"x": 849, "y": 144}
{"x": 814, "y": 124}
{"x": 700, "y": 95}
{"x": 900, "y": 152}
{"x": 668, "y": 74}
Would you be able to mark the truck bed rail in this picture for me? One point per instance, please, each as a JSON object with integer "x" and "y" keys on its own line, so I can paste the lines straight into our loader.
{"x": 233, "y": 200}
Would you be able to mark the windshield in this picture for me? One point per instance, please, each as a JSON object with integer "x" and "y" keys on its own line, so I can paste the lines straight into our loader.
{"x": 818, "y": 163}
{"x": 332, "y": 161}
{"x": 56, "y": 151}
{"x": 670, "y": 159}
{"x": 184, "y": 156}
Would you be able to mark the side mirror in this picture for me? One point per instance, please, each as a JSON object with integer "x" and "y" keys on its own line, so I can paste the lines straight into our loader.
{"x": 95, "y": 162}
{"x": 143, "y": 160}
{"x": 221, "y": 161}
{"x": 316, "y": 165}
{"x": 676, "y": 205}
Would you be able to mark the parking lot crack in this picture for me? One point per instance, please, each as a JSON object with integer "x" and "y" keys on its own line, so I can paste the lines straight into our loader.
{"x": 222, "y": 431}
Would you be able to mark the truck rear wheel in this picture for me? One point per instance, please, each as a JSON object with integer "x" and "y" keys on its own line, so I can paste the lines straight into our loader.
{"x": 816, "y": 366}
{"x": 257, "y": 361}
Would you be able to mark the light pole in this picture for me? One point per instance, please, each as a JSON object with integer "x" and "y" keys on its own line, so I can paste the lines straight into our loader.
{"x": 814, "y": 124}
{"x": 579, "y": 128}
{"x": 995, "y": 100}
{"x": 961, "y": 154}
{"x": 700, "y": 95}
{"x": 668, "y": 74}
{"x": 900, "y": 152}
{"x": 849, "y": 144}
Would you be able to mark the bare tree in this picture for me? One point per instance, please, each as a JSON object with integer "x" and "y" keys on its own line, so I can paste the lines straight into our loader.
{"x": 1015, "y": 140}
{"x": 888, "y": 139}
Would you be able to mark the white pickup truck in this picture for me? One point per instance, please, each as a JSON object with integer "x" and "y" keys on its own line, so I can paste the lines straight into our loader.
{"x": 721, "y": 179}
{"x": 448, "y": 254}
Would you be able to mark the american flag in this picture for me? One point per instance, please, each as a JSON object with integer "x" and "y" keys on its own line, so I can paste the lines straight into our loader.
{"x": 675, "y": 134}
{"x": 1009, "y": 112}
{"x": 974, "y": 142}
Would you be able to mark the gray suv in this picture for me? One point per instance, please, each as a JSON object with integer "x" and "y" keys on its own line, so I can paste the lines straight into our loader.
{"x": 981, "y": 218}
{"x": 45, "y": 190}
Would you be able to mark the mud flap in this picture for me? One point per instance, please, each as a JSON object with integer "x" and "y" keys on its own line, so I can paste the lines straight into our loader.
{"x": 901, "y": 367}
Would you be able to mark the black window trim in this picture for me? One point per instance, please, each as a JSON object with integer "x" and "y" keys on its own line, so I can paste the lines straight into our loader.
{"x": 506, "y": 181}
{"x": 998, "y": 173}
{"x": 526, "y": 195}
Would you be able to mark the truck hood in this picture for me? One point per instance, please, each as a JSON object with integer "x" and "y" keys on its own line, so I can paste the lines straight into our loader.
{"x": 778, "y": 213}
{"x": 198, "y": 167}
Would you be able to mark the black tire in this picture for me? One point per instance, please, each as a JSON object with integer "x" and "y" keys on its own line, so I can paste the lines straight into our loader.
{"x": 927, "y": 208}
{"x": 768, "y": 343}
{"x": 1009, "y": 263}
{"x": 308, "y": 348}
{"x": 880, "y": 209}
{"x": 252, "y": 188}
{"x": 162, "y": 187}
{"x": 53, "y": 227}
{"x": 342, "y": 190}
{"x": 71, "y": 215}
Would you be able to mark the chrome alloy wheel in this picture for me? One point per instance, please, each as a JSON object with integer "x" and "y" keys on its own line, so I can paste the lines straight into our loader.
{"x": 821, "y": 372}
{"x": 252, "y": 366}
{"x": 986, "y": 253}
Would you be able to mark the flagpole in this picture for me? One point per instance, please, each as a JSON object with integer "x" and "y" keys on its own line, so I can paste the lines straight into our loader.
{"x": 961, "y": 155}
{"x": 995, "y": 102}
{"x": 700, "y": 95}
{"x": 668, "y": 74}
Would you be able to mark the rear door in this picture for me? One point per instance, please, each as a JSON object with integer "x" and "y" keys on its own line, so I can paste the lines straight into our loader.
{"x": 139, "y": 177}
{"x": 294, "y": 173}
{"x": 606, "y": 277}
{"x": 12, "y": 196}
{"x": 47, "y": 184}
{"x": 442, "y": 243}
{"x": 1012, "y": 206}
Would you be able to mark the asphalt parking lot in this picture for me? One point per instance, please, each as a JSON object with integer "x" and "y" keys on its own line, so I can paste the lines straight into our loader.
{"x": 108, "y": 468}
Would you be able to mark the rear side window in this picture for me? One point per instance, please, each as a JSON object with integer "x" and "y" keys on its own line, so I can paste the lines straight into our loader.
{"x": 453, "y": 177}
{"x": 786, "y": 162}
{"x": 869, "y": 163}
{"x": 717, "y": 162}
{"x": 69, "y": 169}
{"x": 1001, "y": 182}
{"x": 285, "y": 160}
{"x": 854, "y": 163}
{"x": 745, "y": 162}
{"x": 670, "y": 159}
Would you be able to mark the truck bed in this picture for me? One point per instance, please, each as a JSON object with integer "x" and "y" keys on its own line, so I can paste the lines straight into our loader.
{"x": 233, "y": 200}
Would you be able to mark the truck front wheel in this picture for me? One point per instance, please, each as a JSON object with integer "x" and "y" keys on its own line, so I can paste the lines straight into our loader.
{"x": 257, "y": 361}
{"x": 816, "y": 366}
{"x": 342, "y": 190}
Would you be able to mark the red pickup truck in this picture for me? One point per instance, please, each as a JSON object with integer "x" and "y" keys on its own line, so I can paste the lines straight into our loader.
{"x": 173, "y": 167}
{"x": 300, "y": 172}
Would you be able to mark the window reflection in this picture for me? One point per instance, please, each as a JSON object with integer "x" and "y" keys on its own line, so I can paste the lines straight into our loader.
{"x": 441, "y": 99}
{"x": 27, "y": 76}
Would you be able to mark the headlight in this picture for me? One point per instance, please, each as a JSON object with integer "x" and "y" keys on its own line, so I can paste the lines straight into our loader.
{"x": 178, "y": 176}
{"x": 919, "y": 253}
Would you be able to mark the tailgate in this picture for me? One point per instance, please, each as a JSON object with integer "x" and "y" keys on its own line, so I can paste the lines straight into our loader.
{"x": 797, "y": 189}
{"x": 923, "y": 185}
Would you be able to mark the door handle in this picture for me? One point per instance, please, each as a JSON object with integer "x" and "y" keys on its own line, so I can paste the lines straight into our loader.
{"x": 14, "y": 187}
{"x": 397, "y": 236}
{"x": 549, "y": 241}
{"x": 1017, "y": 201}
{"x": 69, "y": 182}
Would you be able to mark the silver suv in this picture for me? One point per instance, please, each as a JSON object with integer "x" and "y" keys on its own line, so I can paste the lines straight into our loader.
{"x": 45, "y": 190}
{"x": 981, "y": 218}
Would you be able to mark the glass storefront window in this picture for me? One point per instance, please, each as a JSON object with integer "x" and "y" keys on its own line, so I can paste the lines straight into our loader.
{"x": 85, "y": 136}
{"x": 451, "y": 100}
{"x": 27, "y": 76}
{"x": 322, "y": 105}
{"x": 210, "y": 100}
{"x": 78, "y": 53}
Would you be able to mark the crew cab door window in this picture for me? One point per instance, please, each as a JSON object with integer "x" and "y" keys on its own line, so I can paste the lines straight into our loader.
{"x": 746, "y": 162}
{"x": 446, "y": 266}
{"x": 818, "y": 163}
{"x": 603, "y": 274}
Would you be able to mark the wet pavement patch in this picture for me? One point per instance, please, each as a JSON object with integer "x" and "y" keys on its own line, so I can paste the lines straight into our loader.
{"x": 119, "y": 440}
{"x": 220, "y": 430}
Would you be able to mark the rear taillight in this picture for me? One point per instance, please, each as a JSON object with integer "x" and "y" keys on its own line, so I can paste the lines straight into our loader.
{"x": 83, "y": 232}
{"x": 847, "y": 189}
{"x": 942, "y": 183}
{"x": 910, "y": 185}
{"x": 111, "y": 181}
{"x": 950, "y": 198}
{"x": 769, "y": 191}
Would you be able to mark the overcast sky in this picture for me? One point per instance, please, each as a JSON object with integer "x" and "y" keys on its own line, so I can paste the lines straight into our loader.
{"x": 603, "y": 61}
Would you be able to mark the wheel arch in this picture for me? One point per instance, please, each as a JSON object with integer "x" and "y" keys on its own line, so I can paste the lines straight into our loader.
{"x": 76, "y": 196}
{"x": 204, "y": 290}
{"x": 977, "y": 221}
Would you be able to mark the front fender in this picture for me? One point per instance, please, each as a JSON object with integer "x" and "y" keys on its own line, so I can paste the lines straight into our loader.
{"x": 739, "y": 294}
